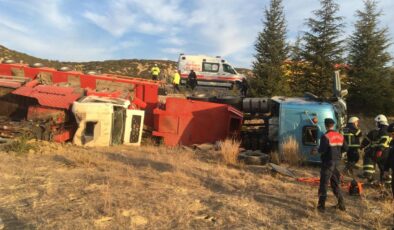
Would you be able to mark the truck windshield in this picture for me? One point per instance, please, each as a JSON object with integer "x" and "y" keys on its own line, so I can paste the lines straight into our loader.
{"x": 309, "y": 135}
{"x": 228, "y": 69}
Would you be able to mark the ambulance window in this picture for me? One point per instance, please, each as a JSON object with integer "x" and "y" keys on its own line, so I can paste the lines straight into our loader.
{"x": 210, "y": 67}
{"x": 228, "y": 69}
{"x": 309, "y": 135}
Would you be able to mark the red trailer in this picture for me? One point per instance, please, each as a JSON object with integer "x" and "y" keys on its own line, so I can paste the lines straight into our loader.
{"x": 187, "y": 122}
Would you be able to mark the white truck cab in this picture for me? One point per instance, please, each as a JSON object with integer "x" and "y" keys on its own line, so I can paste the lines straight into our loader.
{"x": 210, "y": 71}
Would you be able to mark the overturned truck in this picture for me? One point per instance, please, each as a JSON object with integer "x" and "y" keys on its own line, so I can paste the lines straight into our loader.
{"x": 101, "y": 110}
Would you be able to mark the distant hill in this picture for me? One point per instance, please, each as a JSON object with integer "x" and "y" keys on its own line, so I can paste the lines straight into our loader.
{"x": 127, "y": 67}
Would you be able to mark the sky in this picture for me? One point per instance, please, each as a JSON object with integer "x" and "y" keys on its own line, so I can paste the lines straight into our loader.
{"x": 76, "y": 30}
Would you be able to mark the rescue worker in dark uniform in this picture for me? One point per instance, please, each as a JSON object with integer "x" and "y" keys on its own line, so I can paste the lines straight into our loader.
{"x": 192, "y": 79}
{"x": 244, "y": 87}
{"x": 352, "y": 135}
{"x": 332, "y": 145}
{"x": 390, "y": 160}
{"x": 376, "y": 146}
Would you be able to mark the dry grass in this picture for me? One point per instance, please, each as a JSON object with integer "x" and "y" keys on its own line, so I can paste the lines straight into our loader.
{"x": 19, "y": 146}
{"x": 275, "y": 158}
{"x": 229, "y": 150}
{"x": 290, "y": 152}
{"x": 153, "y": 187}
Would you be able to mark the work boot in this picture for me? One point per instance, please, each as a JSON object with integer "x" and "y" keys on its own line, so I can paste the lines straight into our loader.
{"x": 321, "y": 206}
{"x": 341, "y": 205}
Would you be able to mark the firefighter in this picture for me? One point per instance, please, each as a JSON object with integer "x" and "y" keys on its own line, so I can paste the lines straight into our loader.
{"x": 192, "y": 79}
{"x": 376, "y": 146}
{"x": 176, "y": 80}
{"x": 155, "y": 71}
{"x": 352, "y": 135}
{"x": 390, "y": 160}
{"x": 332, "y": 145}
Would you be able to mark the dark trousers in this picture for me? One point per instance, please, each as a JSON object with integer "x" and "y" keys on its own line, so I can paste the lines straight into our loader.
{"x": 154, "y": 77}
{"x": 243, "y": 92}
{"x": 192, "y": 83}
{"x": 353, "y": 156}
{"x": 176, "y": 88}
{"x": 330, "y": 174}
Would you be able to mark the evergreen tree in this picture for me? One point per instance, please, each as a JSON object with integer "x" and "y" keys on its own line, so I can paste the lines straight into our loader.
{"x": 323, "y": 48}
{"x": 371, "y": 80}
{"x": 297, "y": 68}
{"x": 272, "y": 51}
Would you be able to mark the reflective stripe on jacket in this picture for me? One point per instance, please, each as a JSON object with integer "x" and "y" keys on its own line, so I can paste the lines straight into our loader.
{"x": 331, "y": 146}
{"x": 369, "y": 168}
{"x": 352, "y": 136}
{"x": 334, "y": 138}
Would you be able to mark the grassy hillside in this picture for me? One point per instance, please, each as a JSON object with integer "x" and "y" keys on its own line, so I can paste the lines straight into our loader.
{"x": 127, "y": 67}
{"x": 67, "y": 187}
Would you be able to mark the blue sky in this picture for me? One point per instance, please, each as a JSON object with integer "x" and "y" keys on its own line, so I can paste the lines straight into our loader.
{"x": 76, "y": 30}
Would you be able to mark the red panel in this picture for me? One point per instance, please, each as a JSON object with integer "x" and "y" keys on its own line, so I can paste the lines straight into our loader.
{"x": 63, "y": 136}
{"x": 145, "y": 90}
{"x": 38, "y": 113}
{"x": 50, "y": 96}
{"x": 188, "y": 122}
{"x": 9, "y": 84}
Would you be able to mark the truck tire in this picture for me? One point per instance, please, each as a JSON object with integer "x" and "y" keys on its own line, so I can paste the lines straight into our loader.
{"x": 64, "y": 69}
{"x": 256, "y": 105}
{"x": 234, "y": 101}
{"x": 9, "y": 61}
{"x": 254, "y": 158}
{"x": 202, "y": 97}
{"x": 37, "y": 65}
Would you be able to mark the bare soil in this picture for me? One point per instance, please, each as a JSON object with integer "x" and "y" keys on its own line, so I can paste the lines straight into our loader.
{"x": 152, "y": 187}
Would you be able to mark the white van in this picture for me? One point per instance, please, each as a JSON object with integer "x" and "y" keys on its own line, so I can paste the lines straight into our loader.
{"x": 210, "y": 71}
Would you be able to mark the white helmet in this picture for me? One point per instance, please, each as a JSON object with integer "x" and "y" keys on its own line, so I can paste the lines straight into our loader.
{"x": 353, "y": 119}
{"x": 381, "y": 119}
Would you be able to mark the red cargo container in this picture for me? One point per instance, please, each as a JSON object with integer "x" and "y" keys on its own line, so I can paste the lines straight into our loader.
{"x": 187, "y": 122}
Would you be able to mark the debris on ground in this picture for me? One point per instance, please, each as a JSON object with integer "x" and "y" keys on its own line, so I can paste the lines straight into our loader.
{"x": 282, "y": 170}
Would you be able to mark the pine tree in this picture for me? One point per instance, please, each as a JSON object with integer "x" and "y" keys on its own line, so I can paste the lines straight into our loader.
{"x": 297, "y": 68}
{"x": 323, "y": 48}
{"x": 368, "y": 57}
{"x": 272, "y": 51}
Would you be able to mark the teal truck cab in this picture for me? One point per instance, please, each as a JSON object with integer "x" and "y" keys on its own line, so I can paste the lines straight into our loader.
{"x": 301, "y": 119}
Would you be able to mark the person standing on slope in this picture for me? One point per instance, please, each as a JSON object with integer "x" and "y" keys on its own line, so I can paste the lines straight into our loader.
{"x": 352, "y": 134}
{"x": 155, "y": 71}
{"x": 332, "y": 145}
{"x": 176, "y": 80}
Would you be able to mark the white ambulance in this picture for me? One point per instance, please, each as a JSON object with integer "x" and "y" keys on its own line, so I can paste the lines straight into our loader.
{"x": 210, "y": 71}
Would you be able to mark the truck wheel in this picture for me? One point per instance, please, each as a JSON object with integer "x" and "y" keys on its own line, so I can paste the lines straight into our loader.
{"x": 37, "y": 65}
{"x": 230, "y": 100}
{"x": 202, "y": 97}
{"x": 254, "y": 158}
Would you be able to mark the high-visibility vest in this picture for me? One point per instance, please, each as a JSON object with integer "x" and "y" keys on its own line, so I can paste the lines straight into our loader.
{"x": 334, "y": 139}
{"x": 177, "y": 79}
{"x": 383, "y": 142}
{"x": 155, "y": 70}
{"x": 351, "y": 140}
